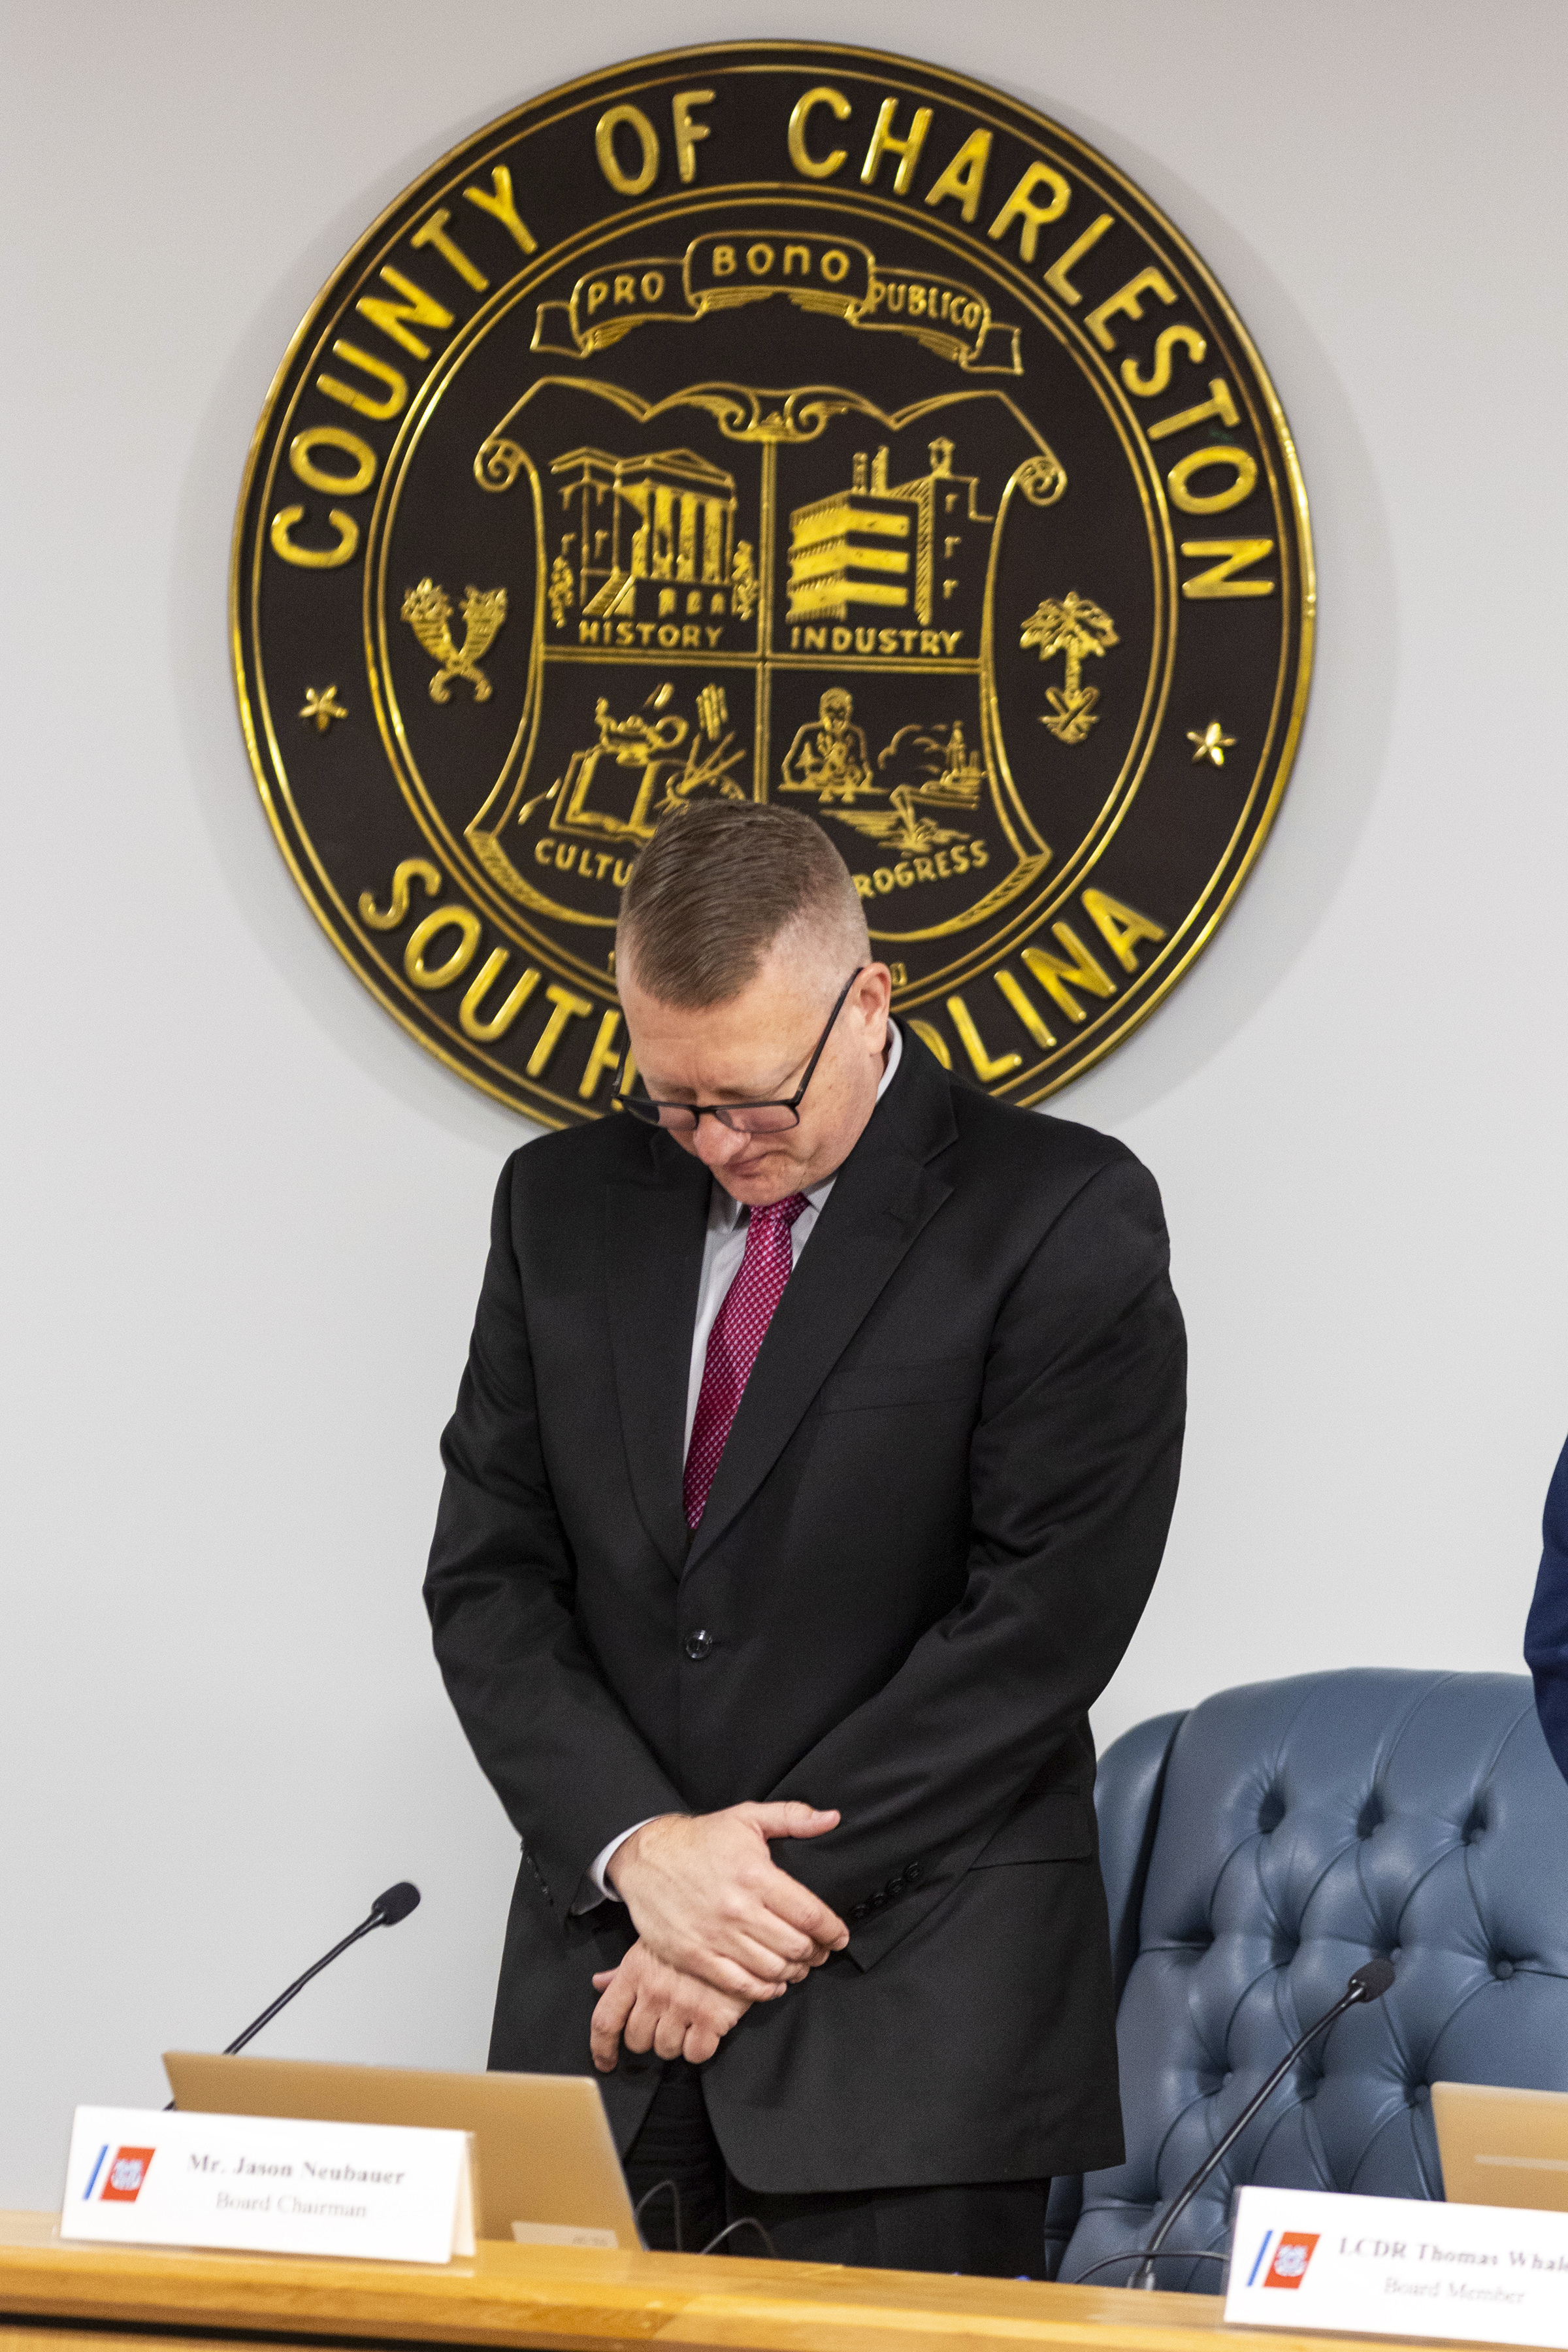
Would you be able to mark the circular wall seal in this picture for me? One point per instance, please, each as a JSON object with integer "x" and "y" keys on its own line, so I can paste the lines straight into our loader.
{"x": 776, "y": 421}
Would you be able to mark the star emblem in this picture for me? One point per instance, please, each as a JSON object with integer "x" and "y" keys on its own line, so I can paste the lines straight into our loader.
{"x": 322, "y": 708}
{"x": 1211, "y": 744}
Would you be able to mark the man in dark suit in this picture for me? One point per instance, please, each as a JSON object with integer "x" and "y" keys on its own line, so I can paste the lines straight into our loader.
{"x": 811, "y": 1469}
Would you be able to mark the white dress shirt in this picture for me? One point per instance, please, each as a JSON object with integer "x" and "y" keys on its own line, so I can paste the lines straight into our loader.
{"x": 723, "y": 1247}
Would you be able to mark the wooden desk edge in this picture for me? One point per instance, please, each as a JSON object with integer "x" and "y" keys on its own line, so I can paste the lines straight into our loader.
{"x": 562, "y": 2299}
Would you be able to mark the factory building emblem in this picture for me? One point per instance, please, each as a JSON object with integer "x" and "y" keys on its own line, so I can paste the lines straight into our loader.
{"x": 788, "y": 422}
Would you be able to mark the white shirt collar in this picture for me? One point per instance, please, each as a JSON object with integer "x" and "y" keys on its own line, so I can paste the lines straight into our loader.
{"x": 724, "y": 1210}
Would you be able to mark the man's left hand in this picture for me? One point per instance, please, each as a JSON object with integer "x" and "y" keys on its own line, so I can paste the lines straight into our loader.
{"x": 650, "y": 2005}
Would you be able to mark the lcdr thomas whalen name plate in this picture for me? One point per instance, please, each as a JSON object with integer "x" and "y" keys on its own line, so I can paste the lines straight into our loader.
{"x": 788, "y": 422}
{"x": 258, "y": 2184}
{"x": 1398, "y": 2266}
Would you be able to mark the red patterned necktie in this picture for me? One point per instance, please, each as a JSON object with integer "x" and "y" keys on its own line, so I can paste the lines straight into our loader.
{"x": 739, "y": 1329}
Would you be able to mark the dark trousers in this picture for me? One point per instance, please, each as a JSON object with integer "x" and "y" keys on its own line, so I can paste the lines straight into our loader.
{"x": 988, "y": 2229}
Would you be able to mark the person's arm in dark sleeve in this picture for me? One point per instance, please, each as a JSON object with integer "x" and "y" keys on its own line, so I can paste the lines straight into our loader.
{"x": 1546, "y": 1628}
{"x": 556, "y": 1746}
{"x": 1073, "y": 1470}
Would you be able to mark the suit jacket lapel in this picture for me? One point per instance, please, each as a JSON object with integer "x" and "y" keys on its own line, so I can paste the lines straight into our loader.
{"x": 883, "y": 1197}
{"x": 653, "y": 1251}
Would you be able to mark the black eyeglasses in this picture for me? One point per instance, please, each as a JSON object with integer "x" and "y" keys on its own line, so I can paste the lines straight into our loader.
{"x": 745, "y": 1118}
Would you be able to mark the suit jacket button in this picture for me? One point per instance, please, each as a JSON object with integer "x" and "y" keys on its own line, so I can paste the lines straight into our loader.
{"x": 857, "y": 1912}
{"x": 913, "y": 1873}
{"x": 878, "y": 1900}
{"x": 697, "y": 1645}
{"x": 896, "y": 1886}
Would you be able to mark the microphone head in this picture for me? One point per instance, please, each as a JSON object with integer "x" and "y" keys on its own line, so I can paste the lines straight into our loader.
{"x": 400, "y": 1900}
{"x": 1372, "y": 1980}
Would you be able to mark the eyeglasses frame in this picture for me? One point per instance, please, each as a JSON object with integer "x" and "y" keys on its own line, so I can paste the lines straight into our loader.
{"x": 621, "y": 1101}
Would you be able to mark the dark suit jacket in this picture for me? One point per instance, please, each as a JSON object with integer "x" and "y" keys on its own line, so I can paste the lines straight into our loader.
{"x": 1546, "y": 1632}
{"x": 932, "y": 1533}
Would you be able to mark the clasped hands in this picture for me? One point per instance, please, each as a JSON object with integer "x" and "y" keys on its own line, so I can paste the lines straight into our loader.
{"x": 720, "y": 1926}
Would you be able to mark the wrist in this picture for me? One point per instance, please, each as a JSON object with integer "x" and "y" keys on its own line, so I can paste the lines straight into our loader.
{"x": 625, "y": 1859}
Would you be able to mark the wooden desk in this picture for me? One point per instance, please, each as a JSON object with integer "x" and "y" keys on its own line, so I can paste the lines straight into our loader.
{"x": 563, "y": 2300}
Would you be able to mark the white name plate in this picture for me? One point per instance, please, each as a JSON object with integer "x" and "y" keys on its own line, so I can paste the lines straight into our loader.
{"x": 256, "y": 2184}
{"x": 1396, "y": 2266}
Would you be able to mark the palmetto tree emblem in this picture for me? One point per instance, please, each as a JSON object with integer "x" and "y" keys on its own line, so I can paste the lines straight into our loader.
{"x": 1075, "y": 627}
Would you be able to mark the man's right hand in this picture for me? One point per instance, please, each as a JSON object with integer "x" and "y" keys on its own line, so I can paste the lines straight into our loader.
{"x": 707, "y": 1898}
{"x": 656, "y": 2008}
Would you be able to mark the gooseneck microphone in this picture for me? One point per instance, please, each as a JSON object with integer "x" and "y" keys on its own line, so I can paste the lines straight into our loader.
{"x": 384, "y": 1912}
{"x": 1369, "y": 1982}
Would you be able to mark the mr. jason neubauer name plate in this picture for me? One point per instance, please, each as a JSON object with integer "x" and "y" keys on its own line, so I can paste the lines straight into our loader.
{"x": 780, "y": 422}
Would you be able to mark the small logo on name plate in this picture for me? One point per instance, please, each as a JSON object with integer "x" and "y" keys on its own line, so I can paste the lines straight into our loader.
{"x": 1291, "y": 2256}
{"x": 124, "y": 2181}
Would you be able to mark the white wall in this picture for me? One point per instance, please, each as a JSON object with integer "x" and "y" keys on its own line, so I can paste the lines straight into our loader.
{"x": 244, "y": 1217}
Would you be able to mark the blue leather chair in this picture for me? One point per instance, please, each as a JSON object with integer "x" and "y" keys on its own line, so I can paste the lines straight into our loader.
{"x": 1254, "y": 1851}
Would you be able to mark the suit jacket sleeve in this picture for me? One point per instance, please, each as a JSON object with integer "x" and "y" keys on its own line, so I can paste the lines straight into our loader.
{"x": 560, "y": 1751}
{"x": 1073, "y": 1469}
{"x": 1546, "y": 1632}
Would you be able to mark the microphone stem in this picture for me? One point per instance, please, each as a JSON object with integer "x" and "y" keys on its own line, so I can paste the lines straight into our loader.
{"x": 266, "y": 2016}
{"x": 233, "y": 2048}
{"x": 1145, "y": 2275}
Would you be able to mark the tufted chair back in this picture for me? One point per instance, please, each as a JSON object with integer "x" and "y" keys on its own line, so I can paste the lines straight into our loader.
{"x": 1255, "y": 1850}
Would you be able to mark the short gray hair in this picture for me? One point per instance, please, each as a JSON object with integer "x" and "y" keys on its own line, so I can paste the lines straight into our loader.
{"x": 717, "y": 886}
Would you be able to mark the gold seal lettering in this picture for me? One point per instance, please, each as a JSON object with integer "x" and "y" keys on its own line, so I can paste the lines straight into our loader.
{"x": 485, "y": 1033}
{"x": 988, "y": 1067}
{"x": 393, "y": 318}
{"x": 1219, "y": 578}
{"x": 569, "y": 1006}
{"x": 314, "y": 559}
{"x": 1148, "y": 387}
{"x": 446, "y": 918}
{"x": 1120, "y": 926}
{"x": 433, "y": 232}
{"x": 809, "y": 166}
{"x": 627, "y": 184}
{"x": 965, "y": 175}
{"x": 412, "y": 870}
{"x": 1057, "y": 275}
{"x": 907, "y": 150}
{"x": 1128, "y": 301}
{"x": 1244, "y": 477}
{"x": 360, "y": 402}
{"x": 603, "y": 1058}
{"x": 1218, "y": 403}
{"x": 1021, "y": 206}
{"x": 500, "y": 206}
{"x": 687, "y": 130}
{"x": 302, "y": 462}
{"x": 1023, "y": 1006}
{"x": 1085, "y": 972}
